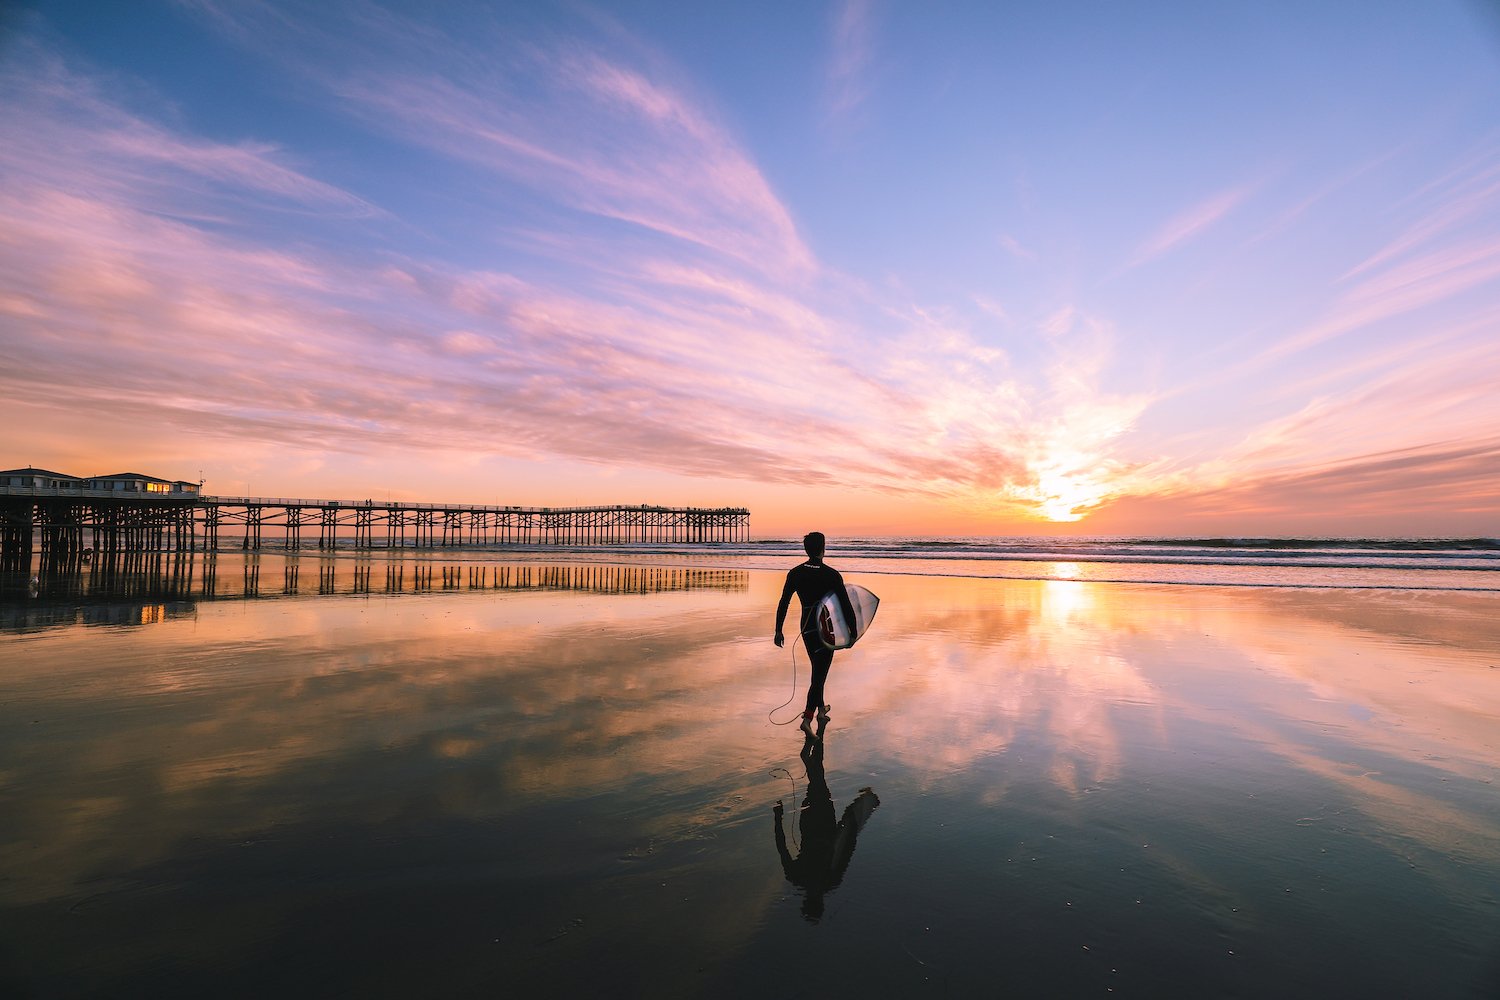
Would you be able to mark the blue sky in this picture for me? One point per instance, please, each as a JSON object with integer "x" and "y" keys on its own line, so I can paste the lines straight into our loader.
{"x": 977, "y": 268}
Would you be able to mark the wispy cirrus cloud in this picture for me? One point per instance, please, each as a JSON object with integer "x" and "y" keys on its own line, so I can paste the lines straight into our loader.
{"x": 851, "y": 55}
{"x": 1190, "y": 223}
{"x": 1442, "y": 255}
{"x": 584, "y": 126}
{"x": 1377, "y": 438}
{"x": 62, "y": 126}
{"x": 1452, "y": 201}
{"x": 113, "y": 301}
{"x": 707, "y": 355}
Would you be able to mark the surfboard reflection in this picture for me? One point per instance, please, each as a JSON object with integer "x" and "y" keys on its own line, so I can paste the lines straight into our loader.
{"x": 827, "y": 845}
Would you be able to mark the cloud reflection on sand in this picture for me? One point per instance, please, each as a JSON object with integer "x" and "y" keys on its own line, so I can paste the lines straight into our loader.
{"x": 254, "y": 716}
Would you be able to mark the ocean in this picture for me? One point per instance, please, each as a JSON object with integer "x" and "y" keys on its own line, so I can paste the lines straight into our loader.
{"x": 1364, "y": 563}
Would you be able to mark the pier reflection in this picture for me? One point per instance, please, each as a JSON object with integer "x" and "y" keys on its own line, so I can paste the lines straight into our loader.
{"x": 134, "y": 588}
{"x": 143, "y": 587}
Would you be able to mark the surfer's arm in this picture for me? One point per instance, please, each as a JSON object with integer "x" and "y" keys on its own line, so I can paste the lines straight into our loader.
{"x": 783, "y": 604}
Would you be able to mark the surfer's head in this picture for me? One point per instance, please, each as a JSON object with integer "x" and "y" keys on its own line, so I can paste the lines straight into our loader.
{"x": 814, "y": 543}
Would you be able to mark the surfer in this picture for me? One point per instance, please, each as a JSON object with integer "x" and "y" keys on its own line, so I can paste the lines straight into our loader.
{"x": 811, "y": 582}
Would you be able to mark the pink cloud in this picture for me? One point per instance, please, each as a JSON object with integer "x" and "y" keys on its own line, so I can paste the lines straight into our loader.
{"x": 1441, "y": 477}
{"x": 1397, "y": 290}
{"x": 597, "y": 135}
{"x": 850, "y": 57}
{"x": 173, "y": 328}
{"x": 1190, "y": 223}
{"x": 65, "y": 130}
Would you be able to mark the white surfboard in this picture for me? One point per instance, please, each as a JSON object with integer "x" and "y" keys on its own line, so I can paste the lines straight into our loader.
{"x": 833, "y": 629}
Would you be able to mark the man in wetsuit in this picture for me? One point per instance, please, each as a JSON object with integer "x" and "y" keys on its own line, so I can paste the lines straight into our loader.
{"x": 811, "y": 582}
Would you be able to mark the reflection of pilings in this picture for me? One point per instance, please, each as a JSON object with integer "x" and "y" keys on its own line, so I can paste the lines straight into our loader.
{"x": 611, "y": 579}
{"x": 588, "y": 579}
{"x": 170, "y": 576}
{"x": 167, "y": 575}
{"x": 120, "y": 589}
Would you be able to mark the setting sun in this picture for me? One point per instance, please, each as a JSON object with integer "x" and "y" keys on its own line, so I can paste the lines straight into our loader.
{"x": 1062, "y": 492}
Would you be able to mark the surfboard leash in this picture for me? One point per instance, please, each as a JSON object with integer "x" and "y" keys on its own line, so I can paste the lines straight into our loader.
{"x": 796, "y": 823}
{"x": 772, "y": 713}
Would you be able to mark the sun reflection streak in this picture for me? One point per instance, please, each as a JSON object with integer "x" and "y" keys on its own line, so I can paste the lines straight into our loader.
{"x": 1066, "y": 599}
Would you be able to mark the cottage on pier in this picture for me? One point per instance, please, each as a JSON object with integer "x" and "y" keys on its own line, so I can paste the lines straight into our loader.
{"x": 135, "y": 482}
{"x": 41, "y": 479}
{"x": 125, "y": 483}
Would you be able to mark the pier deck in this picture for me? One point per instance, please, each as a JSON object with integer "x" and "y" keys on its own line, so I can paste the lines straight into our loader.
{"x": 70, "y": 521}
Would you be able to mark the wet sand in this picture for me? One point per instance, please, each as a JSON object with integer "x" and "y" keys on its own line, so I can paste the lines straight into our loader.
{"x": 562, "y": 780}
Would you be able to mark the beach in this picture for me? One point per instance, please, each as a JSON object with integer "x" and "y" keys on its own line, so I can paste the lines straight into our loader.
{"x": 435, "y": 774}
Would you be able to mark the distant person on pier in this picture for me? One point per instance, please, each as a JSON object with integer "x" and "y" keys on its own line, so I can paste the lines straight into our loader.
{"x": 811, "y": 582}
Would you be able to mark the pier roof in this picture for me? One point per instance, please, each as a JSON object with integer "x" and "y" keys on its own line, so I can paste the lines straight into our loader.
{"x": 29, "y": 471}
{"x": 138, "y": 475}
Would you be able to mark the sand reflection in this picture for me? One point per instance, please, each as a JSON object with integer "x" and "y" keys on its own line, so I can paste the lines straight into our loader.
{"x": 576, "y": 733}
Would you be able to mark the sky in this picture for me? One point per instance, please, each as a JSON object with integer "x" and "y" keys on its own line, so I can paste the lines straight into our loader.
{"x": 873, "y": 268}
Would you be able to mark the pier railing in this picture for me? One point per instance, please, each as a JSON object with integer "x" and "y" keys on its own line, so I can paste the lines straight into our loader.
{"x": 83, "y": 520}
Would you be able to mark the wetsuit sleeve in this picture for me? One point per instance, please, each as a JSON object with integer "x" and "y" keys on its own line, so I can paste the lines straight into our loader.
{"x": 786, "y": 600}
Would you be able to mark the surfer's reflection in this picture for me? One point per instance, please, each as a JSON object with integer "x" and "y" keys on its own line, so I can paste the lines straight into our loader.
{"x": 827, "y": 845}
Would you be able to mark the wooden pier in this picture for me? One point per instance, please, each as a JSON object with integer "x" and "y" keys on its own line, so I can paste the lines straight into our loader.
{"x": 68, "y": 522}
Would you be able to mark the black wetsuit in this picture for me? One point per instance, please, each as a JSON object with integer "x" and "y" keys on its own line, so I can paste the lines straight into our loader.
{"x": 811, "y": 582}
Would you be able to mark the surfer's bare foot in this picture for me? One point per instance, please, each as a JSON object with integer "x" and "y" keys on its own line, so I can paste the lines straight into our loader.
{"x": 823, "y": 714}
{"x": 806, "y": 727}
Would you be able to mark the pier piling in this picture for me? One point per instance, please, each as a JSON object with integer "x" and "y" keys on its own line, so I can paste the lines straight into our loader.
{"x": 67, "y": 522}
